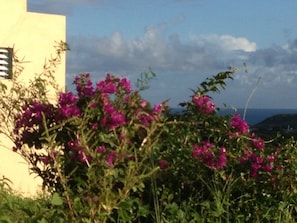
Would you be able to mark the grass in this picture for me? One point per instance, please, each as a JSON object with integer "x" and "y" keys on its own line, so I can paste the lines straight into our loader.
{"x": 16, "y": 208}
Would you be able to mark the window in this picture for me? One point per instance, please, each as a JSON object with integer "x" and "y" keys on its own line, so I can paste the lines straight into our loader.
{"x": 6, "y": 62}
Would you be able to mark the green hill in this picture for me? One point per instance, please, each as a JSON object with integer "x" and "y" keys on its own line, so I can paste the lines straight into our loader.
{"x": 278, "y": 122}
{"x": 285, "y": 124}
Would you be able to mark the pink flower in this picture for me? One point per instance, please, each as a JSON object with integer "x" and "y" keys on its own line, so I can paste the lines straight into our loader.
{"x": 271, "y": 158}
{"x": 67, "y": 99}
{"x": 203, "y": 103}
{"x": 222, "y": 161}
{"x": 108, "y": 107}
{"x": 75, "y": 145}
{"x": 84, "y": 85}
{"x": 68, "y": 107}
{"x": 107, "y": 86}
{"x": 45, "y": 159}
{"x": 204, "y": 153}
{"x": 101, "y": 149}
{"x": 110, "y": 158}
{"x": 93, "y": 104}
{"x": 68, "y": 111}
{"x": 143, "y": 104}
{"x": 127, "y": 99}
{"x": 126, "y": 85}
{"x": 144, "y": 118}
{"x": 163, "y": 164}
{"x": 258, "y": 143}
{"x": 267, "y": 168}
{"x": 254, "y": 169}
{"x": 206, "y": 156}
{"x": 240, "y": 126}
{"x": 83, "y": 158}
{"x": 157, "y": 108}
{"x": 259, "y": 159}
{"x": 116, "y": 120}
{"x": 103, "y": 121}
{"x": 94, "y": 126}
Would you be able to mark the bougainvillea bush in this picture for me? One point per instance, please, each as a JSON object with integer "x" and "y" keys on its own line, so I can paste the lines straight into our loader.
{"x": 106, "y": 155}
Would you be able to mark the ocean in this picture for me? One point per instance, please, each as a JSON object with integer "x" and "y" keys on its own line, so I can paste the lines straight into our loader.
{"x": 253, "y": 115}
{"x": 256, "y": 115}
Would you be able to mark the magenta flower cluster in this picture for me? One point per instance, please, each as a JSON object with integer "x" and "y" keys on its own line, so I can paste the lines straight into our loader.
{"x": 107, "y": 106}
{"x": 28, "y": 126}
{"x": 258, "y": 162}
{"x": 84, "y": 86}
{"x": 254, "y": 156}
{"x": 206, "y": 153}
{"x": 240, "y": 126}
{"x": 68, "y": 106}
{"x": 203, "y": 103}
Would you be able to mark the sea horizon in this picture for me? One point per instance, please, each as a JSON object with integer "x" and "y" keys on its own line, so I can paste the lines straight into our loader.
{"x": 256, "y": 115}
{"x": 252, "y": 115}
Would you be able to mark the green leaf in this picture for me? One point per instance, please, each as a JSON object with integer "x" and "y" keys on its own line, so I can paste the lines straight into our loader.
{"x": 5, "y": 220}
{"x": 42, "y": 221}
{"x": 56, "y": 200}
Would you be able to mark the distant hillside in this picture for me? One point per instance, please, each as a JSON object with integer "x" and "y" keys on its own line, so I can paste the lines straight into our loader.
{"x": 278, "y": 122}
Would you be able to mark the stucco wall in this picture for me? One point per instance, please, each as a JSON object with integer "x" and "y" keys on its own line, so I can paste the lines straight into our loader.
{"x": 33, "y": 37}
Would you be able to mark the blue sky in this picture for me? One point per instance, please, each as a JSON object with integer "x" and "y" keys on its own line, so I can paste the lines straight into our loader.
{"x": 185, "y": 41}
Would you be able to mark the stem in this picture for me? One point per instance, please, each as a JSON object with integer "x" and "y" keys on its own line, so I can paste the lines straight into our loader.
{"x": 155, "y": 196}
{"x": 56, "y": 166}
{"x": 250, "y": 97}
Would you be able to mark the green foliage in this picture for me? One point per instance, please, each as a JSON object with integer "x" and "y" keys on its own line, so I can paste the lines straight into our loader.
{"x": 15, "y": 208}
{"x": 214, "y": 83}
{"x": 105, "y": 155}
{"x": 144, "y": 80}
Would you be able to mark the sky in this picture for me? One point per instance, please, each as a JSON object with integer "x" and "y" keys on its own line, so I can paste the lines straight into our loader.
{"x": 184, "y": 42}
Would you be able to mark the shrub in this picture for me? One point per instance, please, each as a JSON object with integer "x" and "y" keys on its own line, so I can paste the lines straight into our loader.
{"x": 106, "y": 155}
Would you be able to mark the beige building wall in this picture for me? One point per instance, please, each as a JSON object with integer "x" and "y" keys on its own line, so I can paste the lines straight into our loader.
{"x": 33, "y": 37}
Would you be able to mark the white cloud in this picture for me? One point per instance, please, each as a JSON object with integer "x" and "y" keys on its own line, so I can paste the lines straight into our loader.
{"x": 183, "y": 64}
{"x": 159, "y": 52}
{"x": 226, "y": 42}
